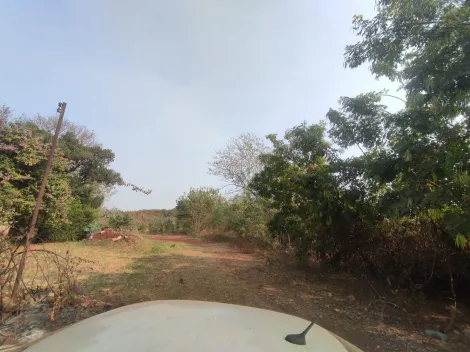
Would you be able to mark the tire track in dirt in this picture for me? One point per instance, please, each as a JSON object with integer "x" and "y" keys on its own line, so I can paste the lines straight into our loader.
{"x": 258, "y": 280}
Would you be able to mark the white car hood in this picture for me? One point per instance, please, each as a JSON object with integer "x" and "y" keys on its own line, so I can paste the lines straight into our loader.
{"x": 187, "y": 326}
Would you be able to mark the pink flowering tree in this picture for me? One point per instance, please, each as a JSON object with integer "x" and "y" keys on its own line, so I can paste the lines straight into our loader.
{"x": 23, "y": 155}
{"x": 80, "y": 179}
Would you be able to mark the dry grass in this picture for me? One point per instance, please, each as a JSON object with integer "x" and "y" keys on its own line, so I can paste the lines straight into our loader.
{"x": 104, "y": 257}
{"x": 176, "y": 268}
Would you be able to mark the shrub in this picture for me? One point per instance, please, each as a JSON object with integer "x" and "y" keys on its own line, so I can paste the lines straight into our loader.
{"x": 248, "y": 216}
{"x": 120, "y": 221}
{"x": 197, "y": 208}
{"x": 155, "y": 226}
{"x": 92, "y": 228}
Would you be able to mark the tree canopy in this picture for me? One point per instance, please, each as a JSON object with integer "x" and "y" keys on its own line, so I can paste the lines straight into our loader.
{"x": 197, "y": 207}
{"x": 79, "y": 181}
{"x": 407, "y": 194}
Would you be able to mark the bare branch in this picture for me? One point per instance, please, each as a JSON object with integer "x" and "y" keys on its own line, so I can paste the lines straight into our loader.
{"x": 239, "y": 161}
{"x": 49, "y": 123}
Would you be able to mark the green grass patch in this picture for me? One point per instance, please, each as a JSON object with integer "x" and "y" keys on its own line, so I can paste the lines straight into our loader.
{"x": 158, "y": 248}
{"x": 130, "y": 266}
{"x": 98, "y": 281}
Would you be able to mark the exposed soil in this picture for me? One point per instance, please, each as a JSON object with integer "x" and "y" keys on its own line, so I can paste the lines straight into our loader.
{"x": 350, "y": 307}
{"x": 105, "y": 235}
{"x": 113, "y": 236}
{"x": 181, "y": 267}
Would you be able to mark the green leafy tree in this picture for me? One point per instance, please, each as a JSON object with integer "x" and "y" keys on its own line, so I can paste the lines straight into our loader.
{"x": 23, "y": 155}
{"x": 197, "y": 207}
{"x": 418, "y": 158}
{"x": 169, "y": 225}
{"x": 161, "y": 225}
{"x": 407, "y": 194}
{"x": 299, "y": 184}
{"x": 141, "y": 228}
{"x": 92, "y": 228}
{"x": 155, "y": 226}
{"x": 91, "y": 177}
{"x": 80, "y": 222}
{"x": 80, "y": 179}
{"x": 120, "y": 220}
{"x": 248, "y": 216}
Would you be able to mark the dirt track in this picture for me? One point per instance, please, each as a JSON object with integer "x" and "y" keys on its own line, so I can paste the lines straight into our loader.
{"x": 181, "y": 267}
{"x": 221, "y": 272}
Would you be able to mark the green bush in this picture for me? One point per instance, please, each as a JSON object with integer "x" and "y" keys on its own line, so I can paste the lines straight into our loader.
{"x": 400, "y": 207}
{"x": 81, "y": 220}
{"x": 169, "y": 225}
{"x": 248, "y": 216}
{"x": 121, "y": 221}
{"x": 77, "y": 185}
{"x": 197, "y": 208}
{"x": 155, "y": 226}
{"x": 157, "y": 248}
{"x": 92, "y": 228}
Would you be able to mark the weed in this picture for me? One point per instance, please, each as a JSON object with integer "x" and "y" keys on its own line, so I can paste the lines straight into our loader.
{"x": 129, "y": 266}
{"x": 157, "y": 249}
{"x": 269, "y": 261}
{"x": 97, "y": 281}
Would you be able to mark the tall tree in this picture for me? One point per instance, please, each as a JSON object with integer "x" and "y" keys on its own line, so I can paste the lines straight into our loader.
{"x": 90, "y": 171}
{"x": 80, "y": 179}
{"x": 197, "y": 207}
{"x": 419, "y": 156}
{"x": 23, "y": 155}
{"x": 408, "y": 195}
{"x": 298, "y": 181}
{"x": 85, "y": 136}
{"x": 424, "y": 44}
{"x": 239, "y": 161}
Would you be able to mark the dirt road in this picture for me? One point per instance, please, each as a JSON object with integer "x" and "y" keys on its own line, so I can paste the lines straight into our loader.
{"x": 179, "y": 267}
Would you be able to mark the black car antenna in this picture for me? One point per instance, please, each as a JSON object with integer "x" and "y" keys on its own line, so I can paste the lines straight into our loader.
{"x": 299, "y": 339}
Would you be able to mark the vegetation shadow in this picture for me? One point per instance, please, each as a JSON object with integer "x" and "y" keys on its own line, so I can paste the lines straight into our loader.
{"x": 256, "y": 283}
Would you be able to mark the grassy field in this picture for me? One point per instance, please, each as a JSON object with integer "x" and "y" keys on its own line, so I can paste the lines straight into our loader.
{"x": 175, "y": 267}
{"x": 93, "y": 262}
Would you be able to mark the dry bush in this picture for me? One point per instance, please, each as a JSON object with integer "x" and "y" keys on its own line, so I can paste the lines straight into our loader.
{"x": 49, "y": 276}
{"x": 410, "y": 255}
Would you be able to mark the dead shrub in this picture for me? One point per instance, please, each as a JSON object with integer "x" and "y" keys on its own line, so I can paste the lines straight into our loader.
{"x": 49, "y": 277}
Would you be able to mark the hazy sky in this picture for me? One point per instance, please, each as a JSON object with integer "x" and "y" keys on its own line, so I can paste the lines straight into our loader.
{"x": 165, "y": 83}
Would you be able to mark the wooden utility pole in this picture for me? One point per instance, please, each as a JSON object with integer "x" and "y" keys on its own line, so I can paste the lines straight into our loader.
{"x": 32, "y": 228}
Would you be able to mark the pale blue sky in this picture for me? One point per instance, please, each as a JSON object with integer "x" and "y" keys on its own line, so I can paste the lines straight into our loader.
{"x": 165, "y": 83}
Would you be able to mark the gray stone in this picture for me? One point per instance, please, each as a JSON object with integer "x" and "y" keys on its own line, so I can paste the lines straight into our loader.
{"x": 437, "y": 334}
{"x": 467, "y": 332}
